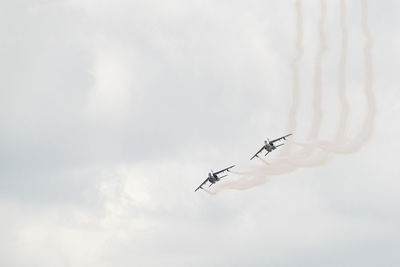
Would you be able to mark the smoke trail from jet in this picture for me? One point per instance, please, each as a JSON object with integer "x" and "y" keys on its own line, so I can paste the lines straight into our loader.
{"x": 209, "y": 191}
{"x": 255, "y": 176}
{"x": 356, "y": 143}
{"x": 341, "y": 144}
{"x": 263, "y": 161}
{"x": 317, "y": 99}
{"x": 240, "y": 173}
{"x": 340, "y": 136}
{"x": 295, "y": 73}
{"x": 316, "y": 152}
{"x": 307, "y": 157}
{"x": 344, "y": 113}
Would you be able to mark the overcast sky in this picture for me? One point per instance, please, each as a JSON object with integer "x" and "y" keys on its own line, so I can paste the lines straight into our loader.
{"x": 113, "y": 112}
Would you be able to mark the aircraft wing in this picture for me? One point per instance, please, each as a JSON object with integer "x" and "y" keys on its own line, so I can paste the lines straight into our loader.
{"x": 226, "y": 169}
{"x": 280, "y": 138}
{"x": 256, "y": 155}
{"x": 200, "y": 186}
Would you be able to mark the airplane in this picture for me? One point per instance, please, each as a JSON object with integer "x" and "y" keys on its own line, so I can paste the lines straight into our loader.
{"x": 269, "y": 145}
{"x": 213, "y": 177}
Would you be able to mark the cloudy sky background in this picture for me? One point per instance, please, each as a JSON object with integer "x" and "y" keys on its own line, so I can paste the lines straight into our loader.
{"x": 112, "y": 113}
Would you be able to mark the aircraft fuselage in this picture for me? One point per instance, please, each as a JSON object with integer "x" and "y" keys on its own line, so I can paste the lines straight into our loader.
{"x": 213, "y": 178}
{"x": 268, "y": 146}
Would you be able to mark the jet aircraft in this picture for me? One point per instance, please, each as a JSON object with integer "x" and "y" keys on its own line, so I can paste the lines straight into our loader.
{"x": 213, "y": 177}
{"x": 269, "y": 145}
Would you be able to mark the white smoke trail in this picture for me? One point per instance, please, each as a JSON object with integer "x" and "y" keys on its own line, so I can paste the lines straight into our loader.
{"x": 341, "y": 143}
{"x": 292, "y": 124}
{"x": 256, "y": 176}
{"x": 264, "y": 161}
{"x": 209, "y": 191}
{"x": 356, "y": 143}
{"x": 308, "y": 156}
{"x": 316, "y": 152}
{"x": 344, "y": 113}
{"x": 317, "y": 99}
{"x": 241, "y": 173}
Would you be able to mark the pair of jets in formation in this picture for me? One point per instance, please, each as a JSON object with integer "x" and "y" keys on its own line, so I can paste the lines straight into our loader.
{"x": 268, "y": 146}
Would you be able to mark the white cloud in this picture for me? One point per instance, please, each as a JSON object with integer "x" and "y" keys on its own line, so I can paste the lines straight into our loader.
{"x": 116, "y": 95}
{"x": 114, "y": 111}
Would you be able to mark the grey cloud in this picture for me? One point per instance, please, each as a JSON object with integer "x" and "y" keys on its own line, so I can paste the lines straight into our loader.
{"x": 207, "y": 81}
